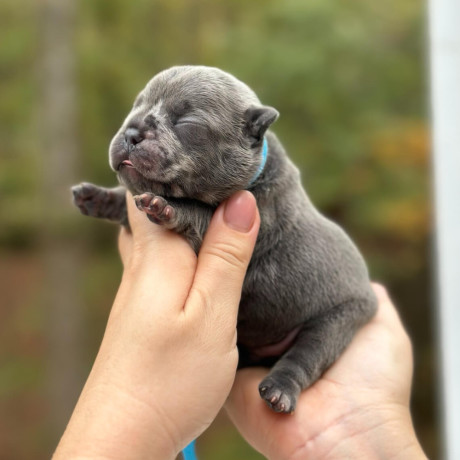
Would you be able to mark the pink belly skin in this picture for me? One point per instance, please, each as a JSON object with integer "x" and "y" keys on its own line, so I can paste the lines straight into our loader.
{"x": 278, "y": 348}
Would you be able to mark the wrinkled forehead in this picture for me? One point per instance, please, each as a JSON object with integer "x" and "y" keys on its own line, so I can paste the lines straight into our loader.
{"x": 198, "y": 89}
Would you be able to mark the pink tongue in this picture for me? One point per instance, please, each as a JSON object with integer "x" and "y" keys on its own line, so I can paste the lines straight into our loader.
{"x": 127, "y": 163}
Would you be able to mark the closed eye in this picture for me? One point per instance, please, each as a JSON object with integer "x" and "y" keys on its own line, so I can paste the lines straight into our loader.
{"x": 189, "y": 121}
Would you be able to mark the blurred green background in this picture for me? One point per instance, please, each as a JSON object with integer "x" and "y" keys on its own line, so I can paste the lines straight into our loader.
{"x": 349, "y": 81}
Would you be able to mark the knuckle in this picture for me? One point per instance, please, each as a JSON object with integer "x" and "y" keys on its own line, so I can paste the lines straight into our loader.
{"x": 201, "y": 295}
{"x": 228, "y": 252}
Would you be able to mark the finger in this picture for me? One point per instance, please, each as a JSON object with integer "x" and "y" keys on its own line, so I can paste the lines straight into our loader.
{"x": 244, "y": 406}
{"x": 125, "y": 245}
{"x": 140, "y": 225}
{"x": 244, "y": 398}
{"x": 153, "y": 243}
{"x": 262, "y": 428}
{"x": 387, "y": 314}
{"x": 380, "y": 292}
{"x": 389, "y": 317}
{"x": 225, "y": 255}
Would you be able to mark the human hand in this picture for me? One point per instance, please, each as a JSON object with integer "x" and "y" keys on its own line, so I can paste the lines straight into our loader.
{"x": 168, "y": 358}
{"x": 359, "y": 409}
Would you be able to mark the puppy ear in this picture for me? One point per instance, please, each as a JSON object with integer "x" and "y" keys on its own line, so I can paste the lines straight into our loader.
{"x": 258, "y": 119}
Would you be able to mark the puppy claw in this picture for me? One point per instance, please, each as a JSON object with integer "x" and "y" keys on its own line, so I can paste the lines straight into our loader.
{"x": 156, "y": 207}
{"x": 155, "y": 202}
{"x": 168, "y": 212}
{"x": 144, "y": 200}
{"x": 278, "y": 396}
{"x": 84, "y": 190}
{"x": 87, "y": 197}
{"x": 138, "y": 203}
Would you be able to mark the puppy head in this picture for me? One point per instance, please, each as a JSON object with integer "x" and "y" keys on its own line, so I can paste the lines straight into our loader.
{"x": 193, "y": 132}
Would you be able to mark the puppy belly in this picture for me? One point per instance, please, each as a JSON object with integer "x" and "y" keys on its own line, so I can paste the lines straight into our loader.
{"x": 276, "y": 348}
{"x": 258, "y": 353}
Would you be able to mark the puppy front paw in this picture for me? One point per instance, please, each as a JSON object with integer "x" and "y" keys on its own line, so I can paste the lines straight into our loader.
{"x": 158, "y": 209}
{"x": 280, "y": 396}
{"x": 87, "y": 198}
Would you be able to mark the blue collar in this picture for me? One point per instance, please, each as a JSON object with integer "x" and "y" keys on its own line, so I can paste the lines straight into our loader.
{"x": 262, "y": 163}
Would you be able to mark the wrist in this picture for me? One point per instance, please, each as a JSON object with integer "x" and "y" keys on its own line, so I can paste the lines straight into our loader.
{"x": 109, "y": 423}
{"x": 114, "y": 417}
{"x": 373, "y": 434}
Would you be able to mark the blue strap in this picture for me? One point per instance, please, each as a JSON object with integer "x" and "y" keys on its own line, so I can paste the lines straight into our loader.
{"x": 262, "y": 163}
{"x": 189, "y": 452}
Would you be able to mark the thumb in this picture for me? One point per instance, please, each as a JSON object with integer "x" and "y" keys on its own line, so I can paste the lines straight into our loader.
{"x": 224, "y": 256}
{"x": 150, "y": 243}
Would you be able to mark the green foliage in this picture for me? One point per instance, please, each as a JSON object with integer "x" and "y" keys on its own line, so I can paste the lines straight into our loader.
{"x": 339, "y": 74}
{"x": 342, "y": 76}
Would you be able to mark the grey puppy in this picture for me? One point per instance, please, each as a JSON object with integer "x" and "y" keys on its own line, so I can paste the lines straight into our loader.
{"x": 196, "y": 135}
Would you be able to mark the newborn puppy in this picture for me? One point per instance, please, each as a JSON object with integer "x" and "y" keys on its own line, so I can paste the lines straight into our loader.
{"x": 196, "y": 135}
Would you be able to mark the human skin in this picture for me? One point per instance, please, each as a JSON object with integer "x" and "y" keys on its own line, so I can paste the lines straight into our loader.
{"x": 359, "y": 409}
{"x": 168, "y": 360}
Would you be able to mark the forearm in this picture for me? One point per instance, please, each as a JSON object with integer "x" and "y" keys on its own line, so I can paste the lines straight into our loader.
{"x": 108, "y": 424}
{"x": 115, "y": 417}
{"x": 112, "y": 420}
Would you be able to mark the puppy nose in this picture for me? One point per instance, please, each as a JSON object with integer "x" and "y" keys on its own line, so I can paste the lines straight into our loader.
{"x": 133, "y": 136}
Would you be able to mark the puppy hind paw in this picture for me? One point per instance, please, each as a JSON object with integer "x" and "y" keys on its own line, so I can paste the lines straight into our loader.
{"x": 156, "y": 207}
{"x": 279, "y": 397}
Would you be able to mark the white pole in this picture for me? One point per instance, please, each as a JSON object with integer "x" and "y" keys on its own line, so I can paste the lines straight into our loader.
{"x": 444, "y": 25}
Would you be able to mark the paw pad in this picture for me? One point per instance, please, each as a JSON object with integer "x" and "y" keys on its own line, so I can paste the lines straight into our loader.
{"x": 278, "y": 396}
{"x": 156, "y": 207}
{"x": 86, "y": 197}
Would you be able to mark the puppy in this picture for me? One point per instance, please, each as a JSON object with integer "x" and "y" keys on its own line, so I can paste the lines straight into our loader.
{"x": 196, "y": 135}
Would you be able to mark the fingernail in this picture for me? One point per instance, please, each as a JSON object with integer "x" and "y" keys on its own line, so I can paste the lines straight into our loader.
{"x": 240, "y": 211}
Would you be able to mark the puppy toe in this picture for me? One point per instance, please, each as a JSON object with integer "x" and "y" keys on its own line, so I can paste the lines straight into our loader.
{"x": 143, "y": 201}
{"x": 86, "y": 197}
{"x": 279, "y": 397}
{"x": 156, "y": 207}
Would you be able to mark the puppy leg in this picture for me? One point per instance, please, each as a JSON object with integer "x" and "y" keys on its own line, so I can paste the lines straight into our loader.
{"x": 318, "y": 345}
{"x": 188, "y": 217}
{"x": 107, "y": 203}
